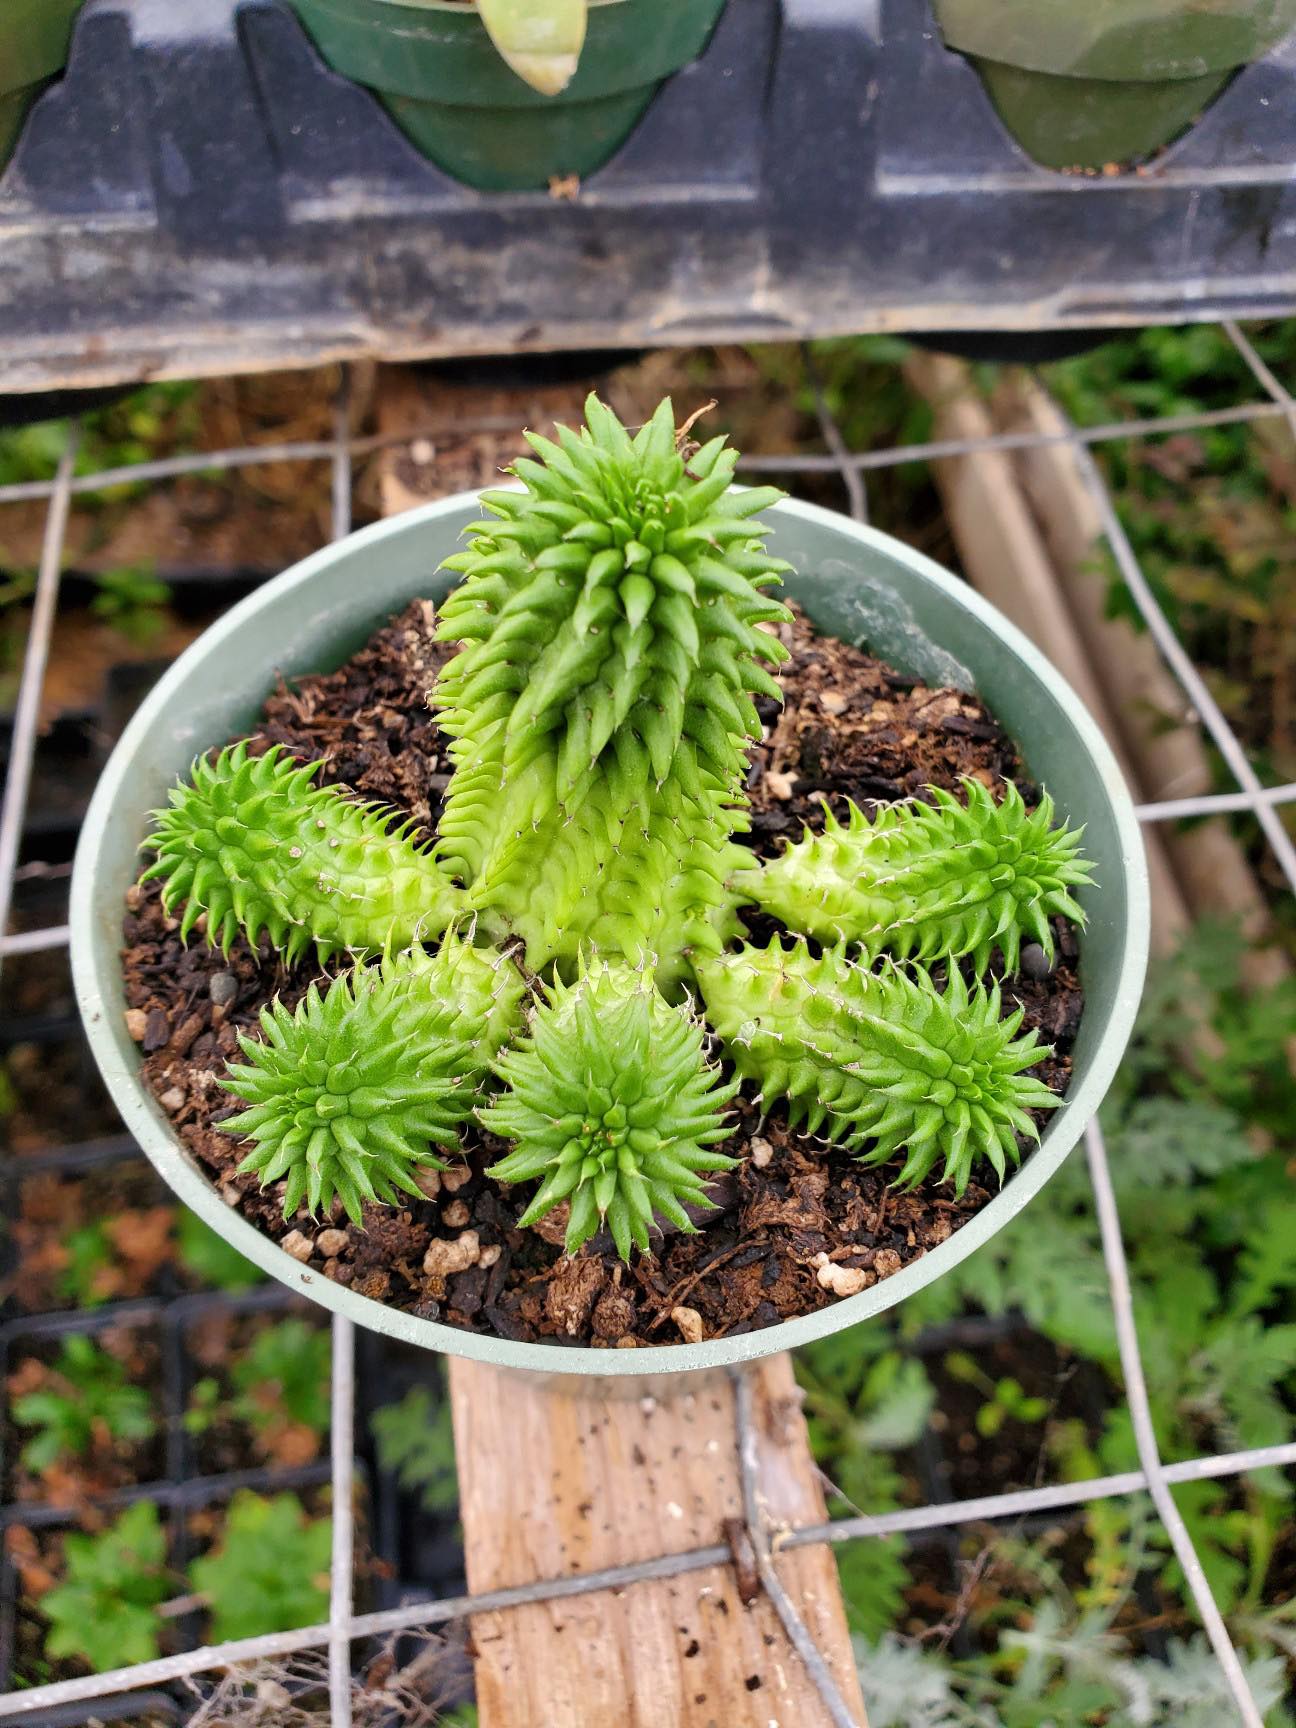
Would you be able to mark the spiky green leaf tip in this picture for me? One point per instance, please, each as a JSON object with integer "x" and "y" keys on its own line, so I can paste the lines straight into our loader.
{"x": 882, "y": 1061}
{"x": 614, "y": 1109}
{"x": 349, "y": 1093}
{"x": 251, "y": 842}
{"x": 930, "y": 881}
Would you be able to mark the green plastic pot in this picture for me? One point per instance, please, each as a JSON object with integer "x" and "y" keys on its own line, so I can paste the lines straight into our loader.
{"x": 443, "y": 82}
{"x": 856, "y": 583}
{"x": 1082, "y": 85}
{"x": 34, "y": 38}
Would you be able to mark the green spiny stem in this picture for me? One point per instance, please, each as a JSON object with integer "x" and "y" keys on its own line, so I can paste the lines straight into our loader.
{"x": 613, "y": 1107}
{"x": 610, "y": 619}
{"x": 347, "y": 1091}
{"x": 462, "y": 992}
{"x": 647, "y": 880}
{"x": 882, "y": 1060}
{"x": 933, "y": 881}
{"x": 255, "y": 845}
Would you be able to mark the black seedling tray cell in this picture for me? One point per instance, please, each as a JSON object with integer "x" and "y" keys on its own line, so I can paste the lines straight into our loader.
{"x": 209, "y": 197}
{"x": 176, "y": 1500}
{"x": 423, "y": 1549}
{"x": 178, "y": 1490}
{"x": 140, "y": 1707}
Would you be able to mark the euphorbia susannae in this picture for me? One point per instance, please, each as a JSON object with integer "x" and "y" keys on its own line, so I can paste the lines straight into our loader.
{"x": 348, "y": 1093}
{"x": 613, "y": 1107}
{"x": 251, "y": 842}
{"x": 614, "y": 624}
{"x": 882, "y": 1060}
{"x": 609, "y": 625}
{"x": 934, "y": 881}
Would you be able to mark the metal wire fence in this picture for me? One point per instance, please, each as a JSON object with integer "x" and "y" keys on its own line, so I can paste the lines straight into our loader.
{"x": 344, "y": 1627}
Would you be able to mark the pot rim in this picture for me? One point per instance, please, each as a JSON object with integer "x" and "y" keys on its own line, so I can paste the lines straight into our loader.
{"x": 99, "y": 997}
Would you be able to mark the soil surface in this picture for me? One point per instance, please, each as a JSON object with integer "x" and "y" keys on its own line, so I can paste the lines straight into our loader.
{"x": 797, "y": 1224}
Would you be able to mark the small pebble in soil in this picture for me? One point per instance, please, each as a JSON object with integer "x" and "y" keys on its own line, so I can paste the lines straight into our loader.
{"x": 445, "y": 1258}
{"x": 842, "y": 1280}
{"x": 689, "y": 1322}
{"x": 136, "y": 1023}
{"x": 222, "y": 989}
{"x": 172, "y": 1099}
{"x": 299, "y": 1246}
{"x": 331, "y": 1242}
{"x": 761, "y": 1151}
{"x": 157, "y": 1031}
{"x": 1035, "y": 963}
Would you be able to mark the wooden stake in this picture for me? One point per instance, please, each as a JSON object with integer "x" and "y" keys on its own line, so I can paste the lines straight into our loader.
{"x": 1005, "y": 557}
{"x": 553, "y": 1483}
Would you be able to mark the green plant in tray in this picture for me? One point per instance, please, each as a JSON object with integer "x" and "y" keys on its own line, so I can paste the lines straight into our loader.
{"x": 282, "y": 1375}
{"x": 90, "y": 1397}
{"x": 269, "y": 1572}
{"x": 538, "y": 964}
{"x": 106, "y": 1609}
{"x": 415, "y": 1440}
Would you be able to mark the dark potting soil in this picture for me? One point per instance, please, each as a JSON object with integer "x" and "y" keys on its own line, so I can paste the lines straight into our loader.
{"x": 797, "y": 1224}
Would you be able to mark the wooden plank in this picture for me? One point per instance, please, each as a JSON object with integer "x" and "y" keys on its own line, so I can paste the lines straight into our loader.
{"x": 1005, "y": 557}
{"x": 553, "y": 1483}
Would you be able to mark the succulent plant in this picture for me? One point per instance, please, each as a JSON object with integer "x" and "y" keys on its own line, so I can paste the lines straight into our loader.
{"x": 609, "y": 619}
{"x": 540, "y": 40}
{"x": 613, "y": 1107}
{"x": 251, "y": 842}
{"x": 882, "y": 1060}
{"x": 347, "y": 1092}
{"x": 614, "y": 626}
{"x": 935, "y": 881}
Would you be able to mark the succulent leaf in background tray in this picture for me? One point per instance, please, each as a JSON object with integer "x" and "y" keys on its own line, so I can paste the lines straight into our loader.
{"x": 540, "y": 39}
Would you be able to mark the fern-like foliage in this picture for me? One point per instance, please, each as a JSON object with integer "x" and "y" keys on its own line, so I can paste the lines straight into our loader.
{"x": 933, "y": 881}
{"x": 609, "y": 619}
{"x": 250, "y": 841}
{"x": 347, "y": 1093}
{"x": 881, "y": 1061}
{"x": 613, "y": 1108}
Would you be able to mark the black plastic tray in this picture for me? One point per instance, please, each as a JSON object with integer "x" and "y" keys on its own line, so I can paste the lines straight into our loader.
{"x": 199, "y": 194}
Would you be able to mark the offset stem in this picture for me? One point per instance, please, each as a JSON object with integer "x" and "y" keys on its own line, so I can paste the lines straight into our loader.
{"x": 254, "y": 845}
{"x": 880, "y": 1060}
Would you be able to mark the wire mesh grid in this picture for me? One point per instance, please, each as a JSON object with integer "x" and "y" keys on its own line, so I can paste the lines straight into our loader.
{"x": 344, "y": 1626}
